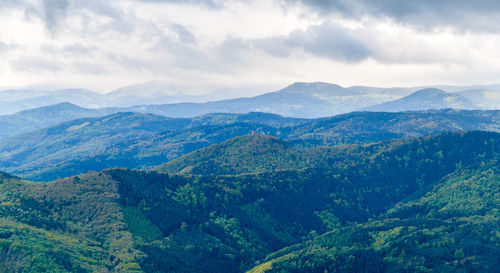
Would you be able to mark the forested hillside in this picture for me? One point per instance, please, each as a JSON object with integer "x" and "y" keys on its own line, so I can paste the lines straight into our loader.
{"x": 453, "y": 228}
{"x": 123, "y": 221}
{"x": 142, "y": 141}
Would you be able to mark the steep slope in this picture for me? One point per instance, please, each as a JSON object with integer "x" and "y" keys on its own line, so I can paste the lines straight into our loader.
{"x": 452, "y": 228}
{"x": 425, "y": 99}
{"x": 125, "y": 221}
{"x": 38, "y": 118}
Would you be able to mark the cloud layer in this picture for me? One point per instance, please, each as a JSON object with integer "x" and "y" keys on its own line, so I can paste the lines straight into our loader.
{"x": 257, "y": 45}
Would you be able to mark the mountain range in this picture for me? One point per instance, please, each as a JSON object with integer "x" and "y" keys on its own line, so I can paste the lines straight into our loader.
{"x": 306, "y": 100}
{"x": 409, "y": 182}
{"x": 142, "y": 141}
{"x": 422, "y": 204}
{"x": 425, "y": 99}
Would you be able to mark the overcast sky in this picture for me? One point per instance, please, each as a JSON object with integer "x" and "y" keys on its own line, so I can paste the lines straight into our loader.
{"x": 203, "y": 45}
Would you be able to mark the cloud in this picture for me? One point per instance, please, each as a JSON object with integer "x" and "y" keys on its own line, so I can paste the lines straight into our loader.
{"x": 232, "y": 43}
{"x": 207, "y": 3}
{"x": 328, "y": 40}
{"x": 3, "y": 47}
{"x": 35, "y": 64}
{"x": 464, "y": 15}
{"x": 54, "y": 11}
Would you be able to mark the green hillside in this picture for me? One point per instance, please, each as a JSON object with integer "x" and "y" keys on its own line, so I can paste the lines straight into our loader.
{"x": 38, "y": 118}
{"x": 254, "y": 154}
{"x": 141, "y": 141}
{"x": 124, "y": 221}
{"x": 452, "y": 228}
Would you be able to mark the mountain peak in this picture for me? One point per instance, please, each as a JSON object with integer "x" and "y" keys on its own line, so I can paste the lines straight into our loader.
{"x": 311, "y": 86}
{"x": 425, "y": 99}
{"x": 63, "y": 106}
{"x": 429, "y": 91}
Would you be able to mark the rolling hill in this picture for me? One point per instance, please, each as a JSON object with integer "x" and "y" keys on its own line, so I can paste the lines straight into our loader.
{"x": 369, "y": 211}
{"x": 38, "y": 118}
{"x": 12, "y": 101}
{"x": 307, "y": 100}
{"x": 452, "y": 228}
{"x": 142, "y": 141}
{"x": 425, "y": 99}
{"x": 483, "y": 98}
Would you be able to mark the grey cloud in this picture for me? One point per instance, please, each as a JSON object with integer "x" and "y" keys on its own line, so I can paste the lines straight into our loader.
{"x": 328, "y": 40}
{"x": 75, "y": 49}
{"x": 79, "y": 49}
{"x": 207, "y": 3}
{"x": 184, "y": 35}
{"x": 54, "y": 11}
{"x": 478, "y": 15}
{"x": 35, "y": 64}
{"x": 89, "y": 68}
{"x": 5, "y": 47}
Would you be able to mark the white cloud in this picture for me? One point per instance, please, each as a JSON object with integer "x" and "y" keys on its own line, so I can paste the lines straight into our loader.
{"x": 254, "y": 45}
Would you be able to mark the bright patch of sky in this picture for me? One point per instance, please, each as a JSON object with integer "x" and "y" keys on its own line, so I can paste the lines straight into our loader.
{"x": 246, "y": 46}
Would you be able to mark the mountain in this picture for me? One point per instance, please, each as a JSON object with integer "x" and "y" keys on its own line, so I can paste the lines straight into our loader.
{"x": 255, "y": 154}
{"x": 369, "y": 211}
{"x": 452, "y": 228}
{"x": 12, "y": 101}
{"x": 37, "y": 118}
{"x": 142, "y": 141}
{"x": 485, "y": 99}
{"x": 307, "y": 100}
{"x": 129, "y": 140}
{"x": 425, "y": 99}
{"x": 149, "y": 93}
{"x": 245, "y": 154}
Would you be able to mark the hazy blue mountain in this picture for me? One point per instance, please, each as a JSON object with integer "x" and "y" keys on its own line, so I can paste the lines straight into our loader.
{"x": 136, "y": 140}
{"x": 484, "y": 98}
{"x": 132, "y": 140}
{"x": 37, "y": 118}
{"x": 425, "y": 99}
{"x": 149, "y": 93}
{"x": 12, "y": 101}
{"x": 309, "y": 100}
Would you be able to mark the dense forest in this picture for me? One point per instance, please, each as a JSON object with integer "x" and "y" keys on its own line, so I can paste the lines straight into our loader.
{"x": 426, "y": 204}
{"x": 143, "y": 141}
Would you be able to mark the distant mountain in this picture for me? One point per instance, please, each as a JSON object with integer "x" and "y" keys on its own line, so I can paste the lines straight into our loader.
{"x": 483, "y": 98}
{"x": 308, "y": 100}
{"x": 425, "y": 99}
{"x": 12, "y": 101}
{"x": 131, "y": 140}
{"x": 38, "y": 118}
{"x": 141, "y": 141}
{"x": 149, "y": 93}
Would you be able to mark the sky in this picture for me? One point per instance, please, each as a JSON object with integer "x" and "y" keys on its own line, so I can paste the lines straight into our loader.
{"x": 251, "y": 46}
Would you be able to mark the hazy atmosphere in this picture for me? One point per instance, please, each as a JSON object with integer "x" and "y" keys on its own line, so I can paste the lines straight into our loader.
{"x": 259, "y": 136}
{"x": 246, "y": 47}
